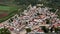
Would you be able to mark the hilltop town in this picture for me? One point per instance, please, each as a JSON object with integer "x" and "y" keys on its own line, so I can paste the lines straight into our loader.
{"x": 35, "y": 18}
{"x": 29, "y": 16}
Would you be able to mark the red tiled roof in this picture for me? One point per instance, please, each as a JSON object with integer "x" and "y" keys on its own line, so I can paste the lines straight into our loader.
{"x": 40, "y": 30}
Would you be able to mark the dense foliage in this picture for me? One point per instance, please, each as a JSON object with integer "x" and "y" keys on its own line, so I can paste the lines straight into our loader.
{"x": 26, "y": 2}
{"x": 28, "y": 30}
{"x": 4, "y": 31}
{"x": 51, "y": 3}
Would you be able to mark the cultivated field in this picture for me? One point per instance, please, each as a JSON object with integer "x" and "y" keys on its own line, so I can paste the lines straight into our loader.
{"x": 6, "y": 12}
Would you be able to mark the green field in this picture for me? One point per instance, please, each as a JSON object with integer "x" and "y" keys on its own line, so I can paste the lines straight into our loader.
{"x": 7, "y": 10}
{"x": 11, "y": 11}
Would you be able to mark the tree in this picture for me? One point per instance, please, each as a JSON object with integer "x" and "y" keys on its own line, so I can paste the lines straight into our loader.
{"x": 47, "y": 21}
{"x": 26, "y": 2}
{"x": 28, "y": 30}
{"x": 4, "y": 31}
{"x": 46, "y": 30}
{"x": 52, "y": 10}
